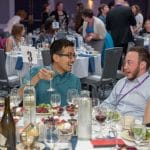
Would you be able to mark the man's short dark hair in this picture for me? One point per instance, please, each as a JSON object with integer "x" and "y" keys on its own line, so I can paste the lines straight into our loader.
{"x": 58, "y": 45}
{"x": 143, "y": 54}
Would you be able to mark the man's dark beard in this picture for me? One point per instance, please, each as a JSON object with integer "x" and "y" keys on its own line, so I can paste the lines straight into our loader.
{"x": 135, "y": 74}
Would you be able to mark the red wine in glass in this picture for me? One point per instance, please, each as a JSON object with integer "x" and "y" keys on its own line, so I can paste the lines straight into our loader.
{"x": 100, "y": 118}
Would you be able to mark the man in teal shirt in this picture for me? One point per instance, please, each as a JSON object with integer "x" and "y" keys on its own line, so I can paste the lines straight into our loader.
{"x": 62, "y": 56}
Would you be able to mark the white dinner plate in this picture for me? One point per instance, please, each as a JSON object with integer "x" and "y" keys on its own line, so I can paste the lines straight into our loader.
{"x": 41, "y": 146}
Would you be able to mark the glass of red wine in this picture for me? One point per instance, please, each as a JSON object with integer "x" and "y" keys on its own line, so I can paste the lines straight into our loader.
{"x": 100, "y": 115}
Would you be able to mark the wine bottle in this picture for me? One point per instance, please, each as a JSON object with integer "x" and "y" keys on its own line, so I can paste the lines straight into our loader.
{"x": 8, "y": 126}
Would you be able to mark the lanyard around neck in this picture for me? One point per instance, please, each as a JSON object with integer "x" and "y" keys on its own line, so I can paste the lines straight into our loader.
{"x": 139, "y": 84}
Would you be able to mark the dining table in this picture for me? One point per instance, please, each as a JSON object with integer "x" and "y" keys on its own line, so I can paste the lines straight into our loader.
{"x": 90, "y": 64}
{"x": 101, "y": 139}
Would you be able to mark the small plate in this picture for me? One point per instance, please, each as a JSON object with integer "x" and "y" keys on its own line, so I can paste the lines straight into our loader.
{"x": 38, "y": 145}
{"x": 43, "y": 114}
{"x": 125, "y": 135}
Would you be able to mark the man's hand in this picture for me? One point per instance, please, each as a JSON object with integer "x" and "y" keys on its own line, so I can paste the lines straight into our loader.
{"x": 45, "y": 74}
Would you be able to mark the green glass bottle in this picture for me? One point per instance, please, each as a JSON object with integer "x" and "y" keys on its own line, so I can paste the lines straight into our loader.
{"x": 8, "y": 126}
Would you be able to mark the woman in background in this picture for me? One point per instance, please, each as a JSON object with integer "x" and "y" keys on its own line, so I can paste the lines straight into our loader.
{"x": 45, "y": 12}
{"x": 48, "y": 32}
{"x": 78, "y": 17}
{"x": 103, "y": 10}
{"x": 94, "y": 31}
{"x": 14, "y": 41}
{"x": 60, "y": 16}
{"x": 20, "y": 16}
{"x": 138, "y": 17}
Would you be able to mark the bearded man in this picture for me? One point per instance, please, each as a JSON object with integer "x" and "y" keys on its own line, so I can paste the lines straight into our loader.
{"x": 131, "y": 94}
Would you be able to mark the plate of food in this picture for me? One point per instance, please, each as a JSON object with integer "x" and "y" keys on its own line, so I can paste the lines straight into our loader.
{"x": 128, "y": 135}
{"x": 43, "y": 109}
{"x": 114, "y": 115}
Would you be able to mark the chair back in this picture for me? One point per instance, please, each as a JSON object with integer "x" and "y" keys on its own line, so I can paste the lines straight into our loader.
{"x": 139, "y": 41}
{"x": 111, "y": 62}
{"x": 46, "y": 57}
{"x": 3, "y": 73}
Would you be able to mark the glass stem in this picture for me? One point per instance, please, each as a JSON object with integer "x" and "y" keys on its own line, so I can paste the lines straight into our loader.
{"x": 50, "y": 82}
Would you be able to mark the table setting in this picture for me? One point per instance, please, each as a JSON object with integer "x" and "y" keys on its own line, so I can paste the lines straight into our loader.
{"x": 57, "y": 127}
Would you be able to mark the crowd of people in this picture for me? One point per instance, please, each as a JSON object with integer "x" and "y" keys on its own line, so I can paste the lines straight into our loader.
{"x": 113, "y": 26}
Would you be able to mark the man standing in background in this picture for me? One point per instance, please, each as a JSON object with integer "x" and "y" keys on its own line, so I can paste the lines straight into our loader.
{"x": 118, "y": 22}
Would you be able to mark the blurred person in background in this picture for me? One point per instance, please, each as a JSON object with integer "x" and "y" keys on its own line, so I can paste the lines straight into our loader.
{"x": 45, "y": 13}
{"x": 20, "y": 16}
{"x": 146, "y": 29}
{"x": 78, "y": 20}
{"x": 17, "y": 37}
{"x": 60, "y": 15}
{"x": 118, "y": 22}
{"x": 103, "y": 10}
{"x": 94, "y": 31}
{"x": 139, "y": 19}
{"x": 147, "y": 114}
{"x": 48, "y": 31}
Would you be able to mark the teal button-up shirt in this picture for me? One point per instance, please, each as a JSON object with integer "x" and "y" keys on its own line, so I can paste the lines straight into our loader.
{"x": 61, "y": 83}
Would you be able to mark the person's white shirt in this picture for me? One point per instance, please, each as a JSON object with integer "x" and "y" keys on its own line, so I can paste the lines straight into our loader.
{"x": 11, "y": 22}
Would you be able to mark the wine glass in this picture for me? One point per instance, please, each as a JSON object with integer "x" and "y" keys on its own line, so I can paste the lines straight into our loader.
{"x": 51, "y": 89}
{"x": 15, "y": 99}
{"x": 50, "y": 134}
{"x": 139, "y": 132}
{"x": 1, "y": 106}
{"x": 100, "y": 115}
{"x": 39, "y": 46}
{"x": 55, "y": 100}
{"x": 72, "y": 96}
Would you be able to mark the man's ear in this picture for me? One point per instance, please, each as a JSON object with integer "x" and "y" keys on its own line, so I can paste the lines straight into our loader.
{"x": 143, "y": 65}
{"x": 55, "y": 58}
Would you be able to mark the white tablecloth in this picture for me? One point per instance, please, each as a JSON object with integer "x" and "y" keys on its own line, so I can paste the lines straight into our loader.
{"x": 80, "y": 67}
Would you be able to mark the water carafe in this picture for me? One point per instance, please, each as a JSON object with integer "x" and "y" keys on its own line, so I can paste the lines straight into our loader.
{"x": 84, "y": 116}
{"x": 29, "y": 104}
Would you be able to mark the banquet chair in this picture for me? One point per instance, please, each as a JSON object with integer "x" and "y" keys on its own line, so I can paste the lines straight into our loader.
{"x": 46, "y": 57}
{"x": 100, "y": 85}
{"x": 139, "y": 41}
{"x": 6, "y": 82}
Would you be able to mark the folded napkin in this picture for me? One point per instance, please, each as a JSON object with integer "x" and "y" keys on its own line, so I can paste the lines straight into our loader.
{"x": 107, "y": 142}
{"x": 19, "y": 63}
{"x": 91, "y": 62}
{"x": 128, "y": 148}
{"x": 74, "y": 140}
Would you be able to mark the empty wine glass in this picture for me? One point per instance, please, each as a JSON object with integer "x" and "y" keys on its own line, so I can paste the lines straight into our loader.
{"x": 72, "y": 96}
{"x": 51, "y": 89}
{"x": 55, "y": 100}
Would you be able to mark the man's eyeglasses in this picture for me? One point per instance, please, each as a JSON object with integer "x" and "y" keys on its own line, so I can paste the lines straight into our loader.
{"x": 70, "y": 56}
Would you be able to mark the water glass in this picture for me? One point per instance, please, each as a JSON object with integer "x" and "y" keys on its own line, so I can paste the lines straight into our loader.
{"x": 55, "y": 100}
{"x": 15, "y": 99}
{"x": 95, "y": 102}
{"x": 139, "y": 132}
{"x": 50, "y": 135}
